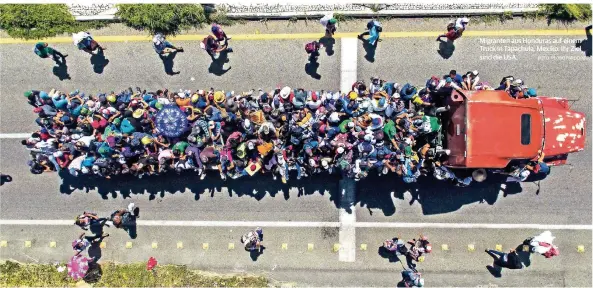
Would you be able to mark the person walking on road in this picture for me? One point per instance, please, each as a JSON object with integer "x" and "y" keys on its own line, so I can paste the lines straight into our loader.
{"x": 330, "y": 23}
{"x": 213, "y": 47}
{"x": 79, "y": 245}
{"x": 252, "y": 239}
{"x": 219, "y": 33}
{"x": 509, "y": 260}
{"x": 455, "y": 29}
{"x": 412, "y": 279}
{"x": 162, "y": 46}
{"x": 374, "y": 29}
{"x": 85, "y": 42}
{"x": 126, "y": 219}
{"x": 44, "y": 51}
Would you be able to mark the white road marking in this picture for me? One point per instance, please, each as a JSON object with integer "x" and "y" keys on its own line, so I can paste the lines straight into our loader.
{"x": 297, "y": 224}
{"x": 349, "y": 64}
{"x": 14, "y": 135}
{"x": 347, "y": 233}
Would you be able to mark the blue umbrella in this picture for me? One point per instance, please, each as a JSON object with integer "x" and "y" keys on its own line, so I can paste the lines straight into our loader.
{"x": 171, "y": 121}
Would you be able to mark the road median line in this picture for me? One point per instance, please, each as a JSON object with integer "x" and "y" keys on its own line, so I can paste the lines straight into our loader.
{"x": 290, "y": 36}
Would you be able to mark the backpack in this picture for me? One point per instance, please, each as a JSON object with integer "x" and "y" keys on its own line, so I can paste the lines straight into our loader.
{"x": 311, "y": 47}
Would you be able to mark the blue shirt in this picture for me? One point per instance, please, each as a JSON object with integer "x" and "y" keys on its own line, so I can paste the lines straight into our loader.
{"x": 88, "y": 161}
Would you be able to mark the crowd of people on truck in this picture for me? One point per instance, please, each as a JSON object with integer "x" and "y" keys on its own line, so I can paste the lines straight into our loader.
{"x": 377, "y": 127}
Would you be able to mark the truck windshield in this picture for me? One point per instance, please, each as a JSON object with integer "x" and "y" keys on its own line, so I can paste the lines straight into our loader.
{"x": 525, "y": 129}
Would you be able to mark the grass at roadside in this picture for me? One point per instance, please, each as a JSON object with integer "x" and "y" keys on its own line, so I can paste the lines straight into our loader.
{"x": 14, "y": 274}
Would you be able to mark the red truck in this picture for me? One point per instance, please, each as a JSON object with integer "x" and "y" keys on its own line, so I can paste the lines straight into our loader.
{"x": 489, "y": 129}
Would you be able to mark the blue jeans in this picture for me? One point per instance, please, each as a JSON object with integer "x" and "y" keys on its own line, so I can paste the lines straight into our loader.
{"x": 52, "y": 159}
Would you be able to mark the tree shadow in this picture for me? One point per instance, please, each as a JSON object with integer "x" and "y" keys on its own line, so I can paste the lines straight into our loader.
{"x": 375, "y": 192}
{"x": 328, "y": 43}
{"x": 586, "y": 44}
{"x": 311, "y": 68}
{"x": 99, "y": 61}
{"x": 369, "y": 49}
{"x": 61, "y": 71}
{"x": 217, "y": 65}
{"x": 446, "y": 48}
{"x": 5, "y": 179}
{"x": 168, "y": 63}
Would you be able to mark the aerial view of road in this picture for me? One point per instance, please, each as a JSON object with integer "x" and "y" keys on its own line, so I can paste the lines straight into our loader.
{"x": 329, "y": 227}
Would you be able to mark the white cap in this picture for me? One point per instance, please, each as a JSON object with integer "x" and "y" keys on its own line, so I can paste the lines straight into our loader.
{"x": 247, "y": 123}
{"x": 250, "y": 145}
{"x": 285, "y": 92}
{"x": 311, "y": 162}
{"x": 324, "y": 163}
{"x": 334, "y": 117}
{"x": 351, "y": 124}
{"x": 518, "y": 82}
{"x": 181, "y": 94}
{"x": 368, "y": 137}
{"x": 340, "y": 150}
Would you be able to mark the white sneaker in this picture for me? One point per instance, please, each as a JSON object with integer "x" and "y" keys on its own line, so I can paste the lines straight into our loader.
{"x": 202, "y": 176}
{"x": 131, "y": 207}
{"x": 274, "y": 177}
{"x": 222, "y": 176}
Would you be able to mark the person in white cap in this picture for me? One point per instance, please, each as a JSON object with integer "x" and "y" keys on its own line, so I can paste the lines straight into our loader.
{"x": 455, "y": 29}
{"x": 163, "y": 47}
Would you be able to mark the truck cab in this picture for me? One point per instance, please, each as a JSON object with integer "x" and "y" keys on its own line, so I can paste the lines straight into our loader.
{"x": 489, "y": 129}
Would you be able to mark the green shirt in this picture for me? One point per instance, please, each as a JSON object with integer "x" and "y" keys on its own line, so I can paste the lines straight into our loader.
{"x": 42, "y": 51}
{"x": 389, "y": 129}
{"x": 180, "y": 146}
{"x": 344, "y": 125}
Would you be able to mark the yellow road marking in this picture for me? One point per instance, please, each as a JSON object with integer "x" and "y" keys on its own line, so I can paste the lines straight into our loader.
{"x": 498, "y": 247}
{"x": 581, "y": 248}
{"x": 129, "y": 245}
{"x": 231, "y": 246}
{"x": 53, "y": 244}
{"x": 445, "y": 247}
{"x": 259, "y": 36}
{"x": 155, "y": 245}
{"x": 310, "y": 246}
{"x": 179, "y": 245}
{"x": 336, "y": 247}
{"x": 3, "y": 243}
{"x": 284, "y": 246}
{"x": 205, "y": 246}
{"x": 102, "y": 245}
{"x": 363, "y": 247}
{"x": 471, "y": 247}
{"x": 28, "y": 244}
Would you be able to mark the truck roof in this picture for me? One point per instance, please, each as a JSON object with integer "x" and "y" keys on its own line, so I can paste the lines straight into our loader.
{"x": 490, "y": 129}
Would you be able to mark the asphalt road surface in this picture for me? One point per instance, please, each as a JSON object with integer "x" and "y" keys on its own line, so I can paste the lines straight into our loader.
{"x": 210, "y": 211}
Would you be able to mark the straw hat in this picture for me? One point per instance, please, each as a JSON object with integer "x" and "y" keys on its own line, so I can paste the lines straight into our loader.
{"x": 138, "y": 113}
{"x": 219, "y": 97}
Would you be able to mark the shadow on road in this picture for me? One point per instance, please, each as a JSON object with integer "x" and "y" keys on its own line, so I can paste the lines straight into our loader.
{"x": 328, "y": 43}
{"x": 217, "y": 65}
{"x": 374, "y": 192}
{"x": 99, "y": 61}
{"x": 5, "y": 179}
{"x": 369, "y": 49}
{"x": 61, "y": 71}
{"x": 446, "y": 48}
{"x": 168, "y": 63}
{"x": 586, "y": 44}
{"x": 311, "y": 68}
